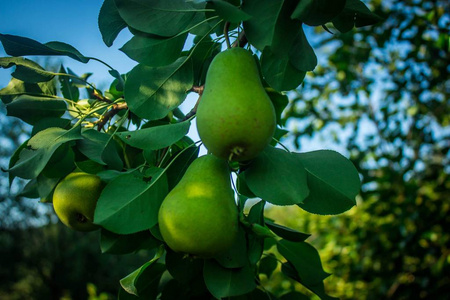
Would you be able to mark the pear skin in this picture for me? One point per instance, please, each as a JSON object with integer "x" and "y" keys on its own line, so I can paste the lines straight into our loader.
{"x": 75, "y": 199}
{"x": 235, "y": 116}
{"x": 199, "y": 216}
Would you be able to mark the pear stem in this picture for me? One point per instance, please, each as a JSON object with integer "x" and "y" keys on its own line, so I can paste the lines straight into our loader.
{"x": 241, "y": 41}
{"x": 226, "y": 27}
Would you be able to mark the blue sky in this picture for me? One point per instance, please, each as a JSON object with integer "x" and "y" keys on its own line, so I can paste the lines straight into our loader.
{"x": 70, "y": 21}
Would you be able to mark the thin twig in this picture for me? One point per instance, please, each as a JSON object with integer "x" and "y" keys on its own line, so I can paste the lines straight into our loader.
{"x": 226, "y": 27}
{"x": 199, "y": 91}
{"x": 109, "y": 115}
{"x": 241, "y": 41}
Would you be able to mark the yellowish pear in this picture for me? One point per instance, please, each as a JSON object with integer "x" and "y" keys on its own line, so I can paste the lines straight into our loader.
{"x": 235, "y": 116}
{"x": 75, "y": 199}
{"x": 199, "y": 216}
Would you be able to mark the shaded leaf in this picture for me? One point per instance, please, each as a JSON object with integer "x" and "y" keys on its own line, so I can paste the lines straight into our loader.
{"x": 277, "y": 177}
{"x": 156, "y": 137}
{"x": 26, "y": 70}
{"x": 32, "y": 109}
{"x": 305, "y": 259}
{"x": 286, "y": 232}
{"x": 126, "y": 243}
{"x": 168, "y": 18}
{"x": 222, "y": 282}
{"x": 109, "y": 22}
{"x": 154, "y": 51}
{"x": 333, "y": 182}
{"x": 134, "y": 208}
{"x": 39, "y": 150}
{"x": 21, "y": 46}
{"x": 144, "y": 281}
{"x": 229, "y": 12}
{"x": 260, "y": 28}
{"x": 152, "y": 92}
{"x": 354, "y": 14}
{"x": 317, "y": 12}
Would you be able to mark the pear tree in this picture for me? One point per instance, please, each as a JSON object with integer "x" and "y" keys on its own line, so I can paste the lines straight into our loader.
{"x": 121, "y": 161}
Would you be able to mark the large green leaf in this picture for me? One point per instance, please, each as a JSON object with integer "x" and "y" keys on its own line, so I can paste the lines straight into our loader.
{"x": 286, "y": 232}
{"x": 154, "y": 51}
{"x": 317, "y": 288}
{"x": 26, "y": 70}
{"x": 109, "y": 22}
{"x": 279, "y": 72}
{"x": 222, "y": 282}
{"x": 157, "y": 137}
{"x": 318, "y": 12}
{"x": 40, "y": 149}
{"x": 152, "y": 92}
{"x": 260, "y": 28}
{"x": 333, "y": 182}
{"x": 101, "y": 148}
{"x": 278, "y": 177}
{"x": 305, "y": 259}
{"x": 130, "y": 202}
{"x": 17, "y": 87}
{"x": 302, "y": 55}
{"x": 21, "y": 46}
{"x": 229, "y": 12}
{"x": 355, "y": 13}
{"x": 160, "y": 17}
{"x": 68, "y": 87}
{"x": 32, "y": 109}
{"x": 144, "y": 281}
{"x": 113, "y": 243}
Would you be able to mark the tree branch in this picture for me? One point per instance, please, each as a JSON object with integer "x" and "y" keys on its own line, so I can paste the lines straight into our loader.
{"x": 110, "y": 114}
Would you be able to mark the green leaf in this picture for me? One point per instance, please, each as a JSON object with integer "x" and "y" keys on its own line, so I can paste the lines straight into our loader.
{"x": 267, "y": 265}
{"x": 144, "y": 281}
{"x": 305, "y": 259}
{"x": 333, "y": 182}
{"x": 294, "y": 296}
{"x": 152, "y": 92}
{"x": 317, "y": 12}
{"x": 101, "y": 148}
{"x": 287, "y": 233}
{"x": 318, "y": 288}
{"x": 229, "y": 12}
{"x": 182, "y": 267}
{"x": 355, "y": 13}
{"x": 168, "y": 18}
{"x": 279, "y": 101}
{"x": 40, "y": 149}
{"x": 154, "y": 51}
{"x": 109, "y": 22}
{"x": 259, "y": 30}
{"x": 21, "y": 46}
{"x": 180, "y": 164}
{"x": 32, "y": 109}
{"x": 157, "y": 137}
{"x": 26, "y": 70}
{"x": 222, "y": 282}
{"x": 302, "y": 55}
{"x": 236, "y": 256}
{"x": 68, "y": 88}
{"x": 277, "y": 177}
{"x": 45, "y": 185}
{"x": 61, "y": 163}
{"x": 122, "y": 244}
{"x": 202, "y": 57}
{"x": 17, "y": 87}
{"x": 130, "y": 203}
{"x": 278, "y": 71}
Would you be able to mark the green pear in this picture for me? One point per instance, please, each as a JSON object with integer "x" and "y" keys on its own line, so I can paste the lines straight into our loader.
{"x": 75, "y": 199}
{"x": 235, "y": 116}
{"x": 199, "y": 216}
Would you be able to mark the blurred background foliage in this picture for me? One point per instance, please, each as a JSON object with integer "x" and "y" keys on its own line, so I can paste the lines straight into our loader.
{"x": 380, "y": 95}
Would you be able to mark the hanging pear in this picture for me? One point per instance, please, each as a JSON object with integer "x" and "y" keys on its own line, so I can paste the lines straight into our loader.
{"x": 235, "y": 116}
{"x": 199, "y": 216}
